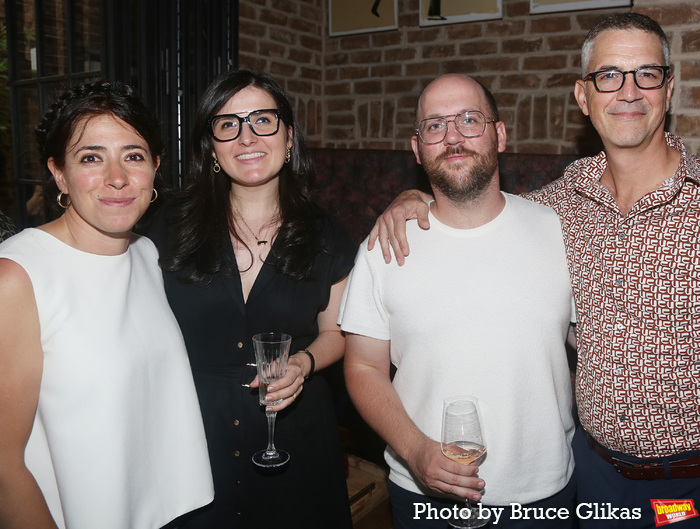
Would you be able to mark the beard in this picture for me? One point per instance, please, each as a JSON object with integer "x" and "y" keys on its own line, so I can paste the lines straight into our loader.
{"x": 466, "y": 181}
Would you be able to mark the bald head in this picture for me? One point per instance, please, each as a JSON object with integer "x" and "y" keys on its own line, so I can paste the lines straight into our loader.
{"x": 456, "y": 87}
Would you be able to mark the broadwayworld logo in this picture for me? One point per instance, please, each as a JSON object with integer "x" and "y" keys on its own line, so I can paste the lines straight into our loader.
{"x": 671, "y": 511}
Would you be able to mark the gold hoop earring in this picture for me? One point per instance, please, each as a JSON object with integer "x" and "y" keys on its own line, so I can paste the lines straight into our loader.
{"x": 287, "y": 156}
{"x": 217, "y": 167}
{"x": 58, "y": 199}
{"x": 155, "y": 195}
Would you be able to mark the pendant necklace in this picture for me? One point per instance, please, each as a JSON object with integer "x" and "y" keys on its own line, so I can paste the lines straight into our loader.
{"x": 260, "y": 242}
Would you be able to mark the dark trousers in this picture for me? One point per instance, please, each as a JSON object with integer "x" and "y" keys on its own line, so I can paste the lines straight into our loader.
{"x": 600, "y": 489}
{"x": 415, "y": 511}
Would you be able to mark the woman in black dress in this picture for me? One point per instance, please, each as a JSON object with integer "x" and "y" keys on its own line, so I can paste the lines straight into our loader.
{"x": 245, "y": 250}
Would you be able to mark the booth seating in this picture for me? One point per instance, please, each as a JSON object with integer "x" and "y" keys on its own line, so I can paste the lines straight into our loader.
{"x": 357, "y": 184}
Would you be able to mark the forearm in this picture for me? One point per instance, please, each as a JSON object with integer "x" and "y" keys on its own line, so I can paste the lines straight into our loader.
{"x": 327, "y": 348}
{"x": 22, "y": 504}
{"x": 380, "y": 406}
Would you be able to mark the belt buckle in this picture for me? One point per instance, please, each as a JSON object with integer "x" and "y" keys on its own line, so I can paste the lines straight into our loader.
{"x": 637, "y": 466}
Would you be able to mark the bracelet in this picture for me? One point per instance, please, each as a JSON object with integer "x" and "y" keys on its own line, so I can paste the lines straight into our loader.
{"x": 313, "y": 363}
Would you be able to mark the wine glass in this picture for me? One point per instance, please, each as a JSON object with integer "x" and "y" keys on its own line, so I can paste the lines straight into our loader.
{"x": 463, "y": 441}
{"x": 271, "y": 354}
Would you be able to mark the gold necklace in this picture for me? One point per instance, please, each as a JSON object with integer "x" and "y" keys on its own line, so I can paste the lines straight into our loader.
{"x": 260, "y": 242}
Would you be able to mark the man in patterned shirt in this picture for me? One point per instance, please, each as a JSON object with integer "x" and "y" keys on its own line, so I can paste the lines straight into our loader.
{"x": 631, "y": 222}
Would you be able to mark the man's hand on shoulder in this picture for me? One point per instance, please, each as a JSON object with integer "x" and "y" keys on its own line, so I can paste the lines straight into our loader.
{"x": 390, "y": 227}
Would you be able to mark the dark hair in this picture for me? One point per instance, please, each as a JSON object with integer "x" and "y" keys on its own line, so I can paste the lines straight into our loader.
{"x": 203, "y": 218}
{"x": 87, "y": 100}
{"x": 623, "y": 21}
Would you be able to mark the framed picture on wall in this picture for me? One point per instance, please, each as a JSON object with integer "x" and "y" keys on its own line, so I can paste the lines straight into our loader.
{"x": 362, "y": 16}
{"x": 433, "y": 12}
{"x": 552, "y": 6}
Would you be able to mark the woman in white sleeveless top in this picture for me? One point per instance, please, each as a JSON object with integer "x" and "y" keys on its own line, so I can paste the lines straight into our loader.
{"x": 99, "y": 421}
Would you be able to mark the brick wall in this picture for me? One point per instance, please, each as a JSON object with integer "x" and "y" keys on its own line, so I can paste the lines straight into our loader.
{"x": 359, "y": 91}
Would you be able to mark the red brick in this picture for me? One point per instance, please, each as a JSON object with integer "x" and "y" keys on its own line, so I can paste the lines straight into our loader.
{"x": 690, "y": 70}
{"x": 353, "y": 72}
{"x": 422, "y": 68}
{"x": 524, "y": 119}
{"x": 314, "y": 74}
{"x": 556, "y": 116}
{"x": 335, "y": 89}
{"x": 506, "y": 99}
{"x": 368, "y": 87}
{"x": 386, "y": 39}
{"x": 341, "y": 119}
{"x": 503, "y": 28}
{"x": 400, "y": 86}
{"x": 282, "y": 69}
{"x": 668, "y": 15}
{"x": 549, "y": 62}
{"x": 498, "y": 64}
{"x": 254, "y": 30}
{"x": 287, "y": 6}
{"x": 310, "y": 43}
{"x": 423, "y": 35}
{"x": 271, "y": 49}
{"x": 520, "y": 81}
{"x": 340, "y": 105}
{"x": 568, "y": 42}
{"x": 464, "y": 31}
{"x": 366, "y": 57}
{"x": 385, "y": 70}
{"x": 516, "y": 9}
{"x": 522, "y": 45}
{"x": 567, "y": 80}
{"x": 337, "y": 59}
{"x": 465, "y": 67}
{"x": 302, "y": 56}
{"x": 355, "y": 42}
{"x": 438, "y": 52}
{"x": 540, "y": 118}
{"x": 550, "y": 24}
{"x": 273, "y": 18}
{"x": 690, "y": 41}
{"x": 400, "y": 54}
{"x": 477, "y": 49}
{"x": 687, "y": 125}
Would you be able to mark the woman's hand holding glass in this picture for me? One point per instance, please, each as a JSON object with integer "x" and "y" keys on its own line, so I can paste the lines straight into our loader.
{"x": 290, "y": 385}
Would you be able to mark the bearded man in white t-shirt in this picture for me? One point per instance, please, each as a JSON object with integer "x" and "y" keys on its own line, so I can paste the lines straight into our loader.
{"x": 482, "y": 308}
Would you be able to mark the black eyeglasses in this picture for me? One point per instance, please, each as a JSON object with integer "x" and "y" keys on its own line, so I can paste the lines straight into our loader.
{"x": 646, "y": 78}
{"x": 227, "y": 127}
{"x": 470, "y": 124}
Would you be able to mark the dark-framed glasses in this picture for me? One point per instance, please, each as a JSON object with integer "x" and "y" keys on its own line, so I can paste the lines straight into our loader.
{"x": 646, "y": 78}
{"x": 227, "y": 127}
{"x": 470, "y": 124}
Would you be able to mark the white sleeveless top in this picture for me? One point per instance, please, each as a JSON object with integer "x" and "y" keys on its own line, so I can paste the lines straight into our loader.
{"x": 117, "y": 441}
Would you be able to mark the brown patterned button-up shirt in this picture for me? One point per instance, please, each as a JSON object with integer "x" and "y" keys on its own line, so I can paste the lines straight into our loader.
{"x": 636, "y": 279}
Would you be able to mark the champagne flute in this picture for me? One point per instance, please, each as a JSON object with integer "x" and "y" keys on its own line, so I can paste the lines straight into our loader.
{"x": 463, "y": 441}
{"x": 271, "y": 354}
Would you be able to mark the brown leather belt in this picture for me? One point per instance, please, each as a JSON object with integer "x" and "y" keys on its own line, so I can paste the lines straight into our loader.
{"x": 681, "y": 468}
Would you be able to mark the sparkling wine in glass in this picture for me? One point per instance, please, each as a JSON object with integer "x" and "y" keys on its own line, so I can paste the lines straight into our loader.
{"x": 463, "y": 441}
{"x": 271, "y": 354}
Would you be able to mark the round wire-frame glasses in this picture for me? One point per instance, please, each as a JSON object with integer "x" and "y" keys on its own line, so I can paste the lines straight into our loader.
{"x": 470, "y": 124}
{"x": 263, "y": 122}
